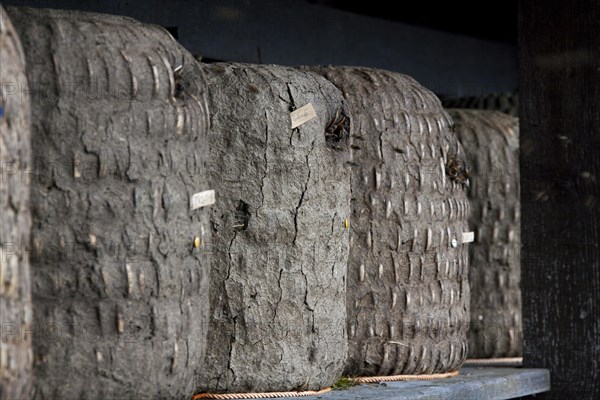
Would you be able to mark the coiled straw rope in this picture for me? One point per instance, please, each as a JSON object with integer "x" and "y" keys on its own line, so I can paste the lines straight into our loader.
{"x": 269, "y": 395}
{"x": 394, "y": 378}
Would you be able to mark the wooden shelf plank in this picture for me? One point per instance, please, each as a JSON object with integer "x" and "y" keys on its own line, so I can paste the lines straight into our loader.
{"x": 489, "y": 383}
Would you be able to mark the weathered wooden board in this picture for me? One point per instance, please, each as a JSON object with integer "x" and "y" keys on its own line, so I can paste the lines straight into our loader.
{"x": 472, "y": 383}
{"x": 560, "y": 177}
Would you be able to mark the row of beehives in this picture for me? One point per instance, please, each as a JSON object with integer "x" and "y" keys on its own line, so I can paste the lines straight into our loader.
{"x": 238, "y": 228}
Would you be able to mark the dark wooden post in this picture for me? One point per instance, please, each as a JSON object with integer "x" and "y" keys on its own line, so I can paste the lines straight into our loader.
{"x": 559, "y": 54}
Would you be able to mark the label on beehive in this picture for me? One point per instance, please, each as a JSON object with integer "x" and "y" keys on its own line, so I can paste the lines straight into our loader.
{"x": 302, "y": 115}
{"x": 202, "y": 199}
{"x": 468, "y": 237}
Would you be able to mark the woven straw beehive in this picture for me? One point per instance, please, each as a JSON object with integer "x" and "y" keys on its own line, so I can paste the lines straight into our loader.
{"x": 15, "y": 221}
{"x": 120, "y": 282}
{"x": 408, "y": 294}
{"x": 491, "y": 143}
{"x": 507, "y": 103}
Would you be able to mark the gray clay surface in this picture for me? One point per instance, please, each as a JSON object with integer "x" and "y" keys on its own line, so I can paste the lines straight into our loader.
{"x": 280, "y": 244}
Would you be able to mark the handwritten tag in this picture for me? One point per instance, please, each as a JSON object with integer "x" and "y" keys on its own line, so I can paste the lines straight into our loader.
{"x": 202, "y": 199}
{"x": 468, "y": 237}
{"x": 302, "y": 115}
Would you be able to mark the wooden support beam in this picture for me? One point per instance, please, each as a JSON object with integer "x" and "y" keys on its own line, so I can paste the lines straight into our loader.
{"x": 559, "y": 54}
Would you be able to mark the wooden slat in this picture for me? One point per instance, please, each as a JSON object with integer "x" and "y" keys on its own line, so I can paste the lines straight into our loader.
{"x": 559, "y": 51}
{"x": 472, "y": 383}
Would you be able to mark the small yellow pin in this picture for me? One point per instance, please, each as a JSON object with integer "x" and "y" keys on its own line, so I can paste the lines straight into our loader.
{"x": 346, "y": 223}
{"x": 196, "y": 242}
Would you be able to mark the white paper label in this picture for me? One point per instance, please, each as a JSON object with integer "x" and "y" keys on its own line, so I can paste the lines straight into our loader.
{"x": 468, "y": 237}
{"x": 202, "y": 199}
{"x": 302, "y": 115}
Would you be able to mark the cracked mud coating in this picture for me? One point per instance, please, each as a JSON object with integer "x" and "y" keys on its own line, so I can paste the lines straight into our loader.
{"x": 278, "y": 285}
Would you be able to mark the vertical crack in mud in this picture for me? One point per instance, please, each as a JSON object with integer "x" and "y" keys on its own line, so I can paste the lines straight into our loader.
{"x": 303, "y": 193}
{"x": 262, "y": 185}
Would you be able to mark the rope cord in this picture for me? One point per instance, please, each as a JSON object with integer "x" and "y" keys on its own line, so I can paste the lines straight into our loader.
{"x": 269, "y": 395}
{"x": 394, "y": 378}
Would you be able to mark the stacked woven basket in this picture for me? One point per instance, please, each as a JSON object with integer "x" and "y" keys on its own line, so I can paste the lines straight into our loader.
{"x": 15, "y": 218}
{"x": 231, "y": 228}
